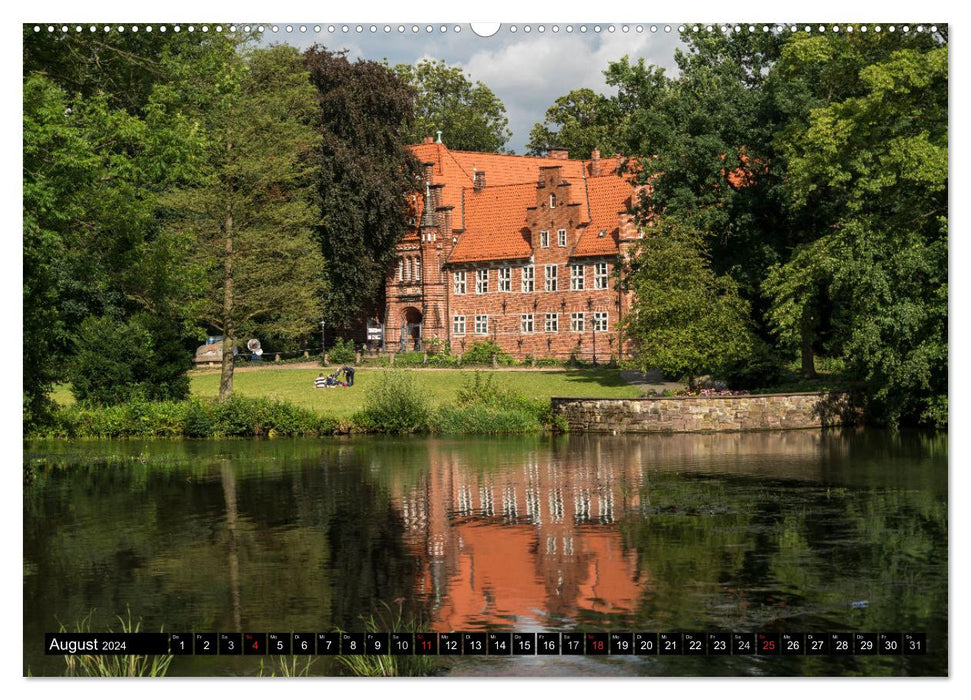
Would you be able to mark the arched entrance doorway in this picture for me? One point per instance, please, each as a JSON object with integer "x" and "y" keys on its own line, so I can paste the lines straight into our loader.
{"x": 410, "y": 329}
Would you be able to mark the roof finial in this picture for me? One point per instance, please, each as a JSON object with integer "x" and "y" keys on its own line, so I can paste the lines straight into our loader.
{"x": 439, "y": 134}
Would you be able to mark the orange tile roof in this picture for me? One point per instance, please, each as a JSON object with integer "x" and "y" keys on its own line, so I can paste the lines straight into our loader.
{"x": 607, "y": 198}
{"x": 495, "y": 218}
{"x": 495, "y": 224}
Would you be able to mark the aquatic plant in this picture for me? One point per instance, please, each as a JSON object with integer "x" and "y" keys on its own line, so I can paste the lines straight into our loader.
{"x": 115, "y": 665}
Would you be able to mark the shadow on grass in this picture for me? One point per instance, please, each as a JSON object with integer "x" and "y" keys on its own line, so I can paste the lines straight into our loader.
{"x": 601, "y": 377}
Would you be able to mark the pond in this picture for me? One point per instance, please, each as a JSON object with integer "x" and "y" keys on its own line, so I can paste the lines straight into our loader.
{"x": 798, "y": 531}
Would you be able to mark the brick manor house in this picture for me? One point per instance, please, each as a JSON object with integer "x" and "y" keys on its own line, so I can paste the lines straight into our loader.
{"x": 520, "y": 250}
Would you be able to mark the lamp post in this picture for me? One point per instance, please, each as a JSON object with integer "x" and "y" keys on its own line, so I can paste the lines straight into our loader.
{"x": 323, "y": 344}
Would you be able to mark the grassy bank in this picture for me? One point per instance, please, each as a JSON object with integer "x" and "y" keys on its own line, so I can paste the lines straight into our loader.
{"x": 280, "y": 403}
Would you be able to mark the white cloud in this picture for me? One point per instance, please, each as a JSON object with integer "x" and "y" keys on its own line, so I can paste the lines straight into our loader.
{"x": 530, "y": 72}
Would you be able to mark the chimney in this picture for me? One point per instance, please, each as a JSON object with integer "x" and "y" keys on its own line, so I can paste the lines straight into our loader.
{"x": 436, "y": 192}
{"x": 479, "y": 180}
{"x": 428, "y": 215}
{"x": 439, "y": 136}
{"x": 429, "y": 169}
{"x": 429, "y": 139}
{"x": 595, "y": 163}
{"x": 558, "y": 153}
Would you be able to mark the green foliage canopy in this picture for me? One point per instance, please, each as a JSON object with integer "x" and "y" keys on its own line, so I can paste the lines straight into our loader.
{"x": 469, "y": 115}
{"x": 365, "y": 174}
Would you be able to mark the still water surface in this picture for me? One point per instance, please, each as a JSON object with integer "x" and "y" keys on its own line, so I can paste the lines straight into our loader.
{"x": 736, "y": 532}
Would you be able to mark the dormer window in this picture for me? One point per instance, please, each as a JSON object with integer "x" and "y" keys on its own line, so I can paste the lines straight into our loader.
{"x": 552, "y": 201}
{"x": 603, "y": 232}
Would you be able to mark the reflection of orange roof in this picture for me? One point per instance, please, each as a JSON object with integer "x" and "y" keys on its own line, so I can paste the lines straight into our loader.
{"x": 496, "y": 577}
{"x": 610, "y": 584}
{"x": 500, "y": 577}
{"x": 495, "y": 224}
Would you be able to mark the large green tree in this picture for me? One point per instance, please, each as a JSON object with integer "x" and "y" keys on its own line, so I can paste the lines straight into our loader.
{"x": 251, "y": 211}
{"x": 687, "y": 321}
{"x": 881, "y": 160}
{"x": 365, "y": 174}
{"x": 725, "y": 149}
{"x": 580, "y": 121}
{"x": 469, "y": 115}
{"x": 93, "y": 243}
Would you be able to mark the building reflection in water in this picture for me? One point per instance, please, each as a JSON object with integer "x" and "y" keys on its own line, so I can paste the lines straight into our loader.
{"x": 516, "y": 546}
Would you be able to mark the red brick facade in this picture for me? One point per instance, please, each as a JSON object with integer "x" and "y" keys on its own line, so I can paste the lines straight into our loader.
{"x": 515, "y": 249}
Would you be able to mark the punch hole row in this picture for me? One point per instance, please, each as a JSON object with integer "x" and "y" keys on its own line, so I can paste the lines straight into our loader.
{"x": 513, "y": 28}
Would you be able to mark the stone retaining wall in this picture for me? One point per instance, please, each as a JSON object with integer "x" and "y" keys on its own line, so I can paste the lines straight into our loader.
{"x": 693, "y": 414}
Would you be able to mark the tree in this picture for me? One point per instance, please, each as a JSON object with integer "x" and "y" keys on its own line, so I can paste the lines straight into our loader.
{"x": 469, "y": 115}
{"x": 252, "y": 212}
{"x": 93, "y": 245}
{"x": 725, "y": 149}
{"x": 365, "y": 174}
{"x": 881, "y": 159}
{"x": 685, "y": 320}
{"x": 580, "y": 121}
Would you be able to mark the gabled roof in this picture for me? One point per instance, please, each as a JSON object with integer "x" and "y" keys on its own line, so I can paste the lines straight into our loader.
{"x": 494, "y": 218}
{"x": 495, "y": 224}
{"x": 608, "y": 197}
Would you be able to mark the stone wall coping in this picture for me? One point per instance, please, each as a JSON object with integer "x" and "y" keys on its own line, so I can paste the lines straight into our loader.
{"x": 704, "y": 398}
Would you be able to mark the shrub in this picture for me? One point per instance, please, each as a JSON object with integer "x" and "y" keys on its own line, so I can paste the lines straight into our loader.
{"x": 395, "y": 405}
{"x": 481, "y": 388}
{"x": 482, "y": 420}
{"x": 484, "y": 352}
{"x": 444, "y": 361}
{"x": 343, "y": 352}
{"x": 116, "y": 361}
{"x": 237, "y": 417}
{"x": 762, "y": 367}
{"x": 483, "y": 406}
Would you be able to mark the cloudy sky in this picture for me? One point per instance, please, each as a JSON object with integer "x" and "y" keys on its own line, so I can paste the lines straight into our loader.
{"x": 526, "y": 70}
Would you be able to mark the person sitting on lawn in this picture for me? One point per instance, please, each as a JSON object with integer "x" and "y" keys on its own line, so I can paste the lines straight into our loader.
{"x": 320, "y": 382}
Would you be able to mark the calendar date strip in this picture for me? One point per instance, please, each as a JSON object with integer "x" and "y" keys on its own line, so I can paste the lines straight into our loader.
{"x": 490, "y": 643}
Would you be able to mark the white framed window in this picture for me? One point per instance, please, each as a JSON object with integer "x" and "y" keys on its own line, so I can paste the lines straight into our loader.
{"x": 505, "y": 279}
{"x": 458, "y": 325}
{"x": 481, "y": 324}
{"x": 481, "y": 281}
{"x": 600, "y": 321}
{"x": 552, "y": 201}
{"x": 576, "y": 277}
{"x": 550, "y": 278}
{"x": 577, "y": 319}
{"x": 544, "y": 239}
{"x": 401, "y": 269}
{"x": 408, "y": 268}
{"x": 526, "y": 323}
{"x": 600, "y": 275}
{"x": 418, "y": 269}
{"x": 458, "y": 278}
{"x": 552, "y": 323}
{"x": 529, "y": 278}
{"x": 561, "y": 238}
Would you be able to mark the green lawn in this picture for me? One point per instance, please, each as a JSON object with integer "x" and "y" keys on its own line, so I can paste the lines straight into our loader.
{"x": 297, "y": 386}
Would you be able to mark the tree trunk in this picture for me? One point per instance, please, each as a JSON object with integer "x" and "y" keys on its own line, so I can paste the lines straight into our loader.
{"x": 806, "y": 346}
{"x": 229, "y": 327}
